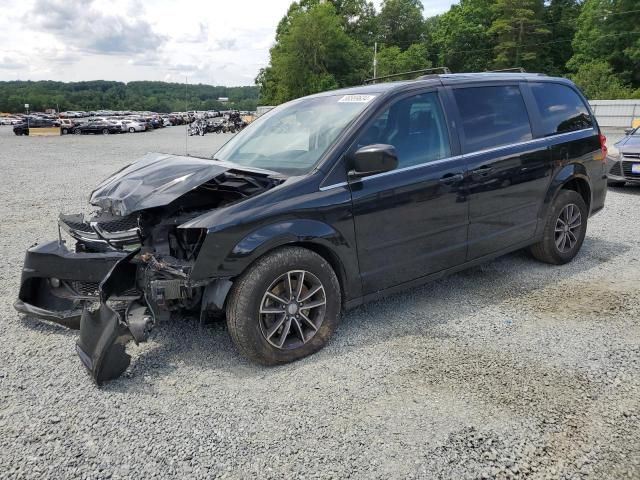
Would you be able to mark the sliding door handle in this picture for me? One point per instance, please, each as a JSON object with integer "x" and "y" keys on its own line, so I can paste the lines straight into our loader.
{"x": 451, "y": 178}
{"x": 483, "y": 170}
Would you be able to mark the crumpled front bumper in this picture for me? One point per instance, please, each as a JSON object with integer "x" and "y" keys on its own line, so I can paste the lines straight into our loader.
{"x": 56, "y": 282}
{"x": 112, "y": 297}
{"x": 105, "y": 332}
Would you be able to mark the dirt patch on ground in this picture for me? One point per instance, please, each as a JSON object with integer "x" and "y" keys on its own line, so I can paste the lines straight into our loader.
{"x": 599, "y": 299}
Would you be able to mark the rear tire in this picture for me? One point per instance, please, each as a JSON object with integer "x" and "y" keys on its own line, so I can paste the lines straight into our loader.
{"x": 65, "y": 131}
{"x": 266, "y": 314}
{"x": 132, "y": 130}
{"x": 564, "y": 230}
{"x": 105, "y": 131}
{"x": 77, "y": 131}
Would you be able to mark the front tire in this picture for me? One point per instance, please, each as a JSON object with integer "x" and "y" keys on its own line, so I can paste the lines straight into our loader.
{"x": 132, "y": 130}
{"x": 564, "y": 231}
{"x": 284, "y": 307}
{"x": 77, "y": 131}
{"x": 105, "y": 131}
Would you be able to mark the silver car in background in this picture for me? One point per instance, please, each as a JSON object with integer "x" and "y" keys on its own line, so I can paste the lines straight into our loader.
{"x": 623, "y": 161}
{"x": 132, "y": 126}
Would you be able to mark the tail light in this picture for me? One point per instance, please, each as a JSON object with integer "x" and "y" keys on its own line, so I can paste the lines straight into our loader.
{"x": 603, "y": 147}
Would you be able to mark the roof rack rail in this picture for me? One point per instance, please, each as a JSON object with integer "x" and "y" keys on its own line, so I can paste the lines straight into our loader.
{"x": 412, "y": 72}
{"x": 512, "y": 69}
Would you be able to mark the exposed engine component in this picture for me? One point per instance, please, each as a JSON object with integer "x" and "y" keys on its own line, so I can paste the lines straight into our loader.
{"x": 133, "y": 254}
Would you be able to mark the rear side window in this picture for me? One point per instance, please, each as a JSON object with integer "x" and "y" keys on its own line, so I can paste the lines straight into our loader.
{"x": 492, "y": 116}
{"x": 561, "y": 109}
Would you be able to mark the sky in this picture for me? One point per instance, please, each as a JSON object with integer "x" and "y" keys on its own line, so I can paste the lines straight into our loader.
{"x": 207, "y": 41}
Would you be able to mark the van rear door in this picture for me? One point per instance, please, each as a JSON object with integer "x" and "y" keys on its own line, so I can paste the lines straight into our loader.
{"x": 509, "y": 172}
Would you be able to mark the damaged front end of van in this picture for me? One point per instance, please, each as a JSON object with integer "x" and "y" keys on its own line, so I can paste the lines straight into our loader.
{"x": 118, "y": 272}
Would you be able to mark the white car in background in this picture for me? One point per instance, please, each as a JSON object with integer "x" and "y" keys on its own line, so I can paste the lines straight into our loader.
{"x": 119, "y": 123}
{"x": 132, "y": 126}
{"x": 67, "y": 125}
{"x": 9, "y": 121}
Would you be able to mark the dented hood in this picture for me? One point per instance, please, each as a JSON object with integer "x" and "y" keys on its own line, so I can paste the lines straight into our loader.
{"x": 158, "y": 179}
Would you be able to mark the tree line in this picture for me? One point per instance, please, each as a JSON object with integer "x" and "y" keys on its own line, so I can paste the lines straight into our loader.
{"x": 326, "y": 44}
{"x": 107, "y": 95}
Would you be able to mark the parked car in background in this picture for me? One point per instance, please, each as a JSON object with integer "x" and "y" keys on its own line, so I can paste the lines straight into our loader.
{"x": 103, "y": 127}
{"x": 143, "y": 121}
{"x": 156, "y": 122}
{"x": 132, "y": 126}
{"x": 623, "y": 161}
{"x": 119, "y": 123}
{"x": 10, "y": 121}
{"x": 23, "y": 128}
{"x": 67, "y": 125}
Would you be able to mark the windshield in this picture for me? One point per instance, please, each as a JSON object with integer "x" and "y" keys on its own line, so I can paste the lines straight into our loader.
{"x": 291, "y": 138}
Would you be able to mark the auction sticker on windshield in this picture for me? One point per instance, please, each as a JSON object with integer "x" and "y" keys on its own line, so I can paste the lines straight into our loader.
{"x": 356, "y": 98}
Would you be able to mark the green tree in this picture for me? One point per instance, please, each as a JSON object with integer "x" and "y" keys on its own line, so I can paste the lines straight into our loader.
{"x": 560, "y": 18}
{"x": 597, "y": 81}
{"x": 401, "y": 22}
{"x": 518, "y": 29}
{"x": 609, "y": 30}
{"x": 393, "y": 60}
{"x": 312, "y": 53}
{"x": 154, "y": 96}
{"x": 359, "y": 19}
{"x": 461, "y": 36}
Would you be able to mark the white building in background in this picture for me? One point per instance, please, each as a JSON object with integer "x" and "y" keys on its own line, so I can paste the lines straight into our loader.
{"x": 616, "y": 113}
{"x": 262, "y": 110}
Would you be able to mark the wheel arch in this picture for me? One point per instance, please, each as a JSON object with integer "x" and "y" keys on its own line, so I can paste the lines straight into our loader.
{"x": 331, "y": 258}
{"x": 570, "y": 177}
{"x": 579, "y": 185}
{"x": 314, "y": 235}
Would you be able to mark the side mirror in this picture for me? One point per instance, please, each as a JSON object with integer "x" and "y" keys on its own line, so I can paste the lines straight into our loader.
{"x": 372, "y": 159}
{"x": 628, "y": 131}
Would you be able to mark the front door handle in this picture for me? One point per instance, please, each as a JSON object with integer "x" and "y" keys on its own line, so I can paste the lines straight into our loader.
{"x": 483, "y": 171}
{"x": 451, "y": 178}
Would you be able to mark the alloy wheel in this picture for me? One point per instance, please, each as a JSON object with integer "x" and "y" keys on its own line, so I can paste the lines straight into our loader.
{"x": 568, "y": 227}
{"x": 292, "y": 309}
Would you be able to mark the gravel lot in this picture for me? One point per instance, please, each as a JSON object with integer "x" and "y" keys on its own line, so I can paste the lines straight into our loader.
{"x": 511, "y": 370}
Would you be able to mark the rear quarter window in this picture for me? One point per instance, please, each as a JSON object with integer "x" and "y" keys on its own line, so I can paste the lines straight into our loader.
{"x": 492, "y": 116}
{"x": 561, "y": 108}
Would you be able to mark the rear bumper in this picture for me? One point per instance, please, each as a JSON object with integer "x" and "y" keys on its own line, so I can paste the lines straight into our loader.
{"x": 56, "y": 282}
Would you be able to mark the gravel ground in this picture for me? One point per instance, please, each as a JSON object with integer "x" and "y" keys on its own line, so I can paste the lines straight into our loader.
{"x": 511, "y": 370}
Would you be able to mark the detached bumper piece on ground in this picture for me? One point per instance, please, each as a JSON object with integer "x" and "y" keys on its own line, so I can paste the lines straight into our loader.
{"x": 105, "y": 331}
{"x": 109, "y": 309}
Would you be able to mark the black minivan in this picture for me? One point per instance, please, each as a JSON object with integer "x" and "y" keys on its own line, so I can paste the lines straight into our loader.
{"x": 321, "y": 204}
